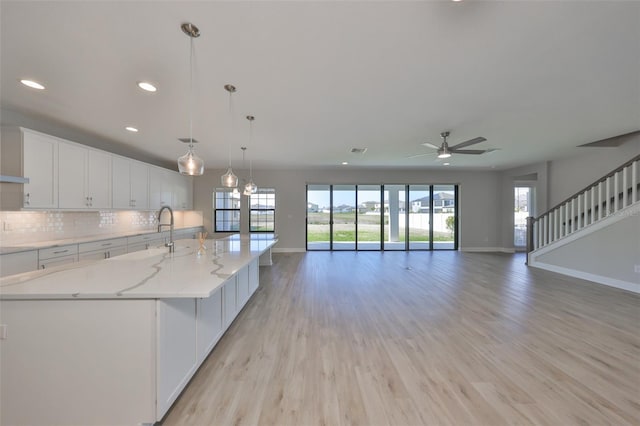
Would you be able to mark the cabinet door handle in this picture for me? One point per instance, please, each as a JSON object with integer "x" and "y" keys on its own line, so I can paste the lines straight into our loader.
{"x": 60, "y": 251}
{"x": 42, "y": 266}
{"x": 27, "y": 199}
{"x": 106, "y": 254}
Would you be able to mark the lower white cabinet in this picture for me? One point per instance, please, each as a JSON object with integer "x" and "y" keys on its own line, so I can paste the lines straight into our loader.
{"x": 17, "y": 263}
{"x": 230, "y": 308}
{"x": 243, "y": 287}
{"x": 176, "y": 356}
{"x": 55, "y": 256}
{"x": 106, "y": 361}
{"x": 210, "y": 323}
{"x": 254, "y": 275}
{"x": 104, "y": 249}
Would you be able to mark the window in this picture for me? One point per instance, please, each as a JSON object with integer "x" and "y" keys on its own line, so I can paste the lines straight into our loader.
{"x": 382, "y": 217}
{"x": 226, "y": 210}
{"x": 262, "y": 206}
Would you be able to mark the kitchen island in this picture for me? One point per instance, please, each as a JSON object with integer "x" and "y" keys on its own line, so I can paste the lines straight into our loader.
{"x": 116, "y": 341}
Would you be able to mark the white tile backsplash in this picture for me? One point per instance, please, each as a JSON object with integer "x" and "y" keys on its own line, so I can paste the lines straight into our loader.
{"x": 34, "y": 226}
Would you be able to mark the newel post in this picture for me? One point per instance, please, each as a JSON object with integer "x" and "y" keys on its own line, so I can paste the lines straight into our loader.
{"x": 530, "y": 222}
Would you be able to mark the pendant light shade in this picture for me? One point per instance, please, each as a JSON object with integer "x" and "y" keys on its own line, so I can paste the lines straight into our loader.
{"x": 229, "y": 179}
{"x": 190, "y": 164}
{"x": 250, "y": 187}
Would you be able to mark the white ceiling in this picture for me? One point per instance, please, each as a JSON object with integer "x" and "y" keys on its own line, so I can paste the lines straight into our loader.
{"x": 535, "y": 78}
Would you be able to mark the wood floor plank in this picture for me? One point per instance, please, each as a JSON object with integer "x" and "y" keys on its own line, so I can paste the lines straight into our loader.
{"x": 421, "y": 338}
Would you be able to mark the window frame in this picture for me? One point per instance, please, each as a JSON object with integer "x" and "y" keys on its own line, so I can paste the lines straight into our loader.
{"x": 226, "y": 209}
{"x": 263, "y": 192}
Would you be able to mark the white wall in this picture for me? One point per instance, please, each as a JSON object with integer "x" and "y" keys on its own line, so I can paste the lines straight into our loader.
{"x": 607, "y": 252}
{"x": 479, "y": 196}
{"x": 570, "y": 175}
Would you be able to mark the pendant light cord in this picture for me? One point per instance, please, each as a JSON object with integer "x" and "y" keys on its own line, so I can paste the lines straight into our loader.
{"x": 232, "y": 126}
{"x": 250, "y": 144}
{"x": 190, "y": 93}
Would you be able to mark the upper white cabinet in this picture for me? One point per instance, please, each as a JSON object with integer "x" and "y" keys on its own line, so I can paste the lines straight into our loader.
{"x": 167, "y": 188}
{"x": 84, "y": 177}
{"x": 67, "y": 175}
{"x": 34, "y": 155}
{"x": 130, "y": 184}
{"x": 182, "y": 194}
{"x": 160, "y": 188}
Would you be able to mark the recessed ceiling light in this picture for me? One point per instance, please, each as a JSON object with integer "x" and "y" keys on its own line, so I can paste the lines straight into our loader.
{"x": 32, "y": 84}
{"x": 131, "y": 129}
{"x": 344, "y": 163}
{"x": 445, "y": 164}
{"x": 145, "y": 85}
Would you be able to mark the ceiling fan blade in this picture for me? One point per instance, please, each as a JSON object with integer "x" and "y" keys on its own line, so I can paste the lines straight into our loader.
{"x": 468, "y": 151}
{"x": 430, "y": 145}
{"x": 467, "y": 143}
{"x": 422, "y": 155}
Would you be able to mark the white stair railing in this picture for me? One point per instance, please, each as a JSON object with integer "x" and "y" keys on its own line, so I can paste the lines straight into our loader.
{"x": 602, "y": 198}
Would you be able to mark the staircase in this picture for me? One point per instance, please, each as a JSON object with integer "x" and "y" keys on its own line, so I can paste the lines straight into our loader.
{"x": 595, "y": 233}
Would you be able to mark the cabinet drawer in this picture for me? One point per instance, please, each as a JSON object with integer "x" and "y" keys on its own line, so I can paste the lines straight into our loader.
{"x": 102, "y": 254}
{"x": 146, "y": 238}
{"x": 103, "y": 245}
{"x": 58, "y": 251}
{"x": 56, "y": 261}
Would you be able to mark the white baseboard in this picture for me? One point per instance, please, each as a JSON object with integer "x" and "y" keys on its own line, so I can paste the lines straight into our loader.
{"x": 488, "y": 249}
{"x": 611, "y": 282}
{"x": 288, "y": 250}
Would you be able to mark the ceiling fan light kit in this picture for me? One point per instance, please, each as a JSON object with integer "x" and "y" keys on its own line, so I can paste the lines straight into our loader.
{"x": 446, "y": 151}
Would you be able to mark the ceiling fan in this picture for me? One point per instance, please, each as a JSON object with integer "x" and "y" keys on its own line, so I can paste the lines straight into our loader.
{"x": 445, "y": 151}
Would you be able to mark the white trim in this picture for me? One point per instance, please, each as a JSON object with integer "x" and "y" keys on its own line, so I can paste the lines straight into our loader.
{"x": 612, "y": 282}
{"x": 488, "y": 249}
{"x": 288, "y": 250}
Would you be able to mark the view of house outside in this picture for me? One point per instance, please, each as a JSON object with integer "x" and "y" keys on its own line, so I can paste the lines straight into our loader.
{"x": 381, "y": 216}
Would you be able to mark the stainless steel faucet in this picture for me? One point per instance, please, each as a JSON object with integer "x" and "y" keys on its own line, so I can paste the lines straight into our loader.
{"x": 170, "y": 244}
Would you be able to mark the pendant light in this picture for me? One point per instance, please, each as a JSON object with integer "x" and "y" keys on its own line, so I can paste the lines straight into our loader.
{"x": 250, "y": 187}
{"x": 230, "y": 180}
{"x": 190, "y": 164}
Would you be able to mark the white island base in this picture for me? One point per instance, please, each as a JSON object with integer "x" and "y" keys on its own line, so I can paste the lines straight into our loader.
{"x": 107, "y": 361}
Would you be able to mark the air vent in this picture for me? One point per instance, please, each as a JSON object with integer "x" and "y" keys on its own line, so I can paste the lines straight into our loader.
{"x": 186, "y": 140}
{"x": 358, "y": 150}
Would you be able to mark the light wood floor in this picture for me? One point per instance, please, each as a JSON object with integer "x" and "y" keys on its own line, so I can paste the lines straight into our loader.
{"x": 421, "y": 338}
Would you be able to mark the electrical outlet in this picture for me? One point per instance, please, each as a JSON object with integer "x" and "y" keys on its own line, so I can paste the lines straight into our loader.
{"x": 3, "y": 331}
{"x": 637, "y": 269}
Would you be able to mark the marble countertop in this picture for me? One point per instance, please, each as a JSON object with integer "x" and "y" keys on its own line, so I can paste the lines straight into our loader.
{"x": 149, "y": 274}
{"x": 16, "y": 248}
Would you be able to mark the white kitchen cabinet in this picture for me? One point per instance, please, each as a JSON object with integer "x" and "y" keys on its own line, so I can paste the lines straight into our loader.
{"x": 210, "y": 324}
{"x": 182, "y": 192}
{"x": 58, "y": 255}
{"x": 230, "y": 298}
{"x": 34, "y": 155}
{"x": 130, "y": 184}
{"x": 242, "y": 287}
{"x": 160, "y": 188}
{"x": 254, "y": 276}
{"x": 177, "y": 360}
{"x": 104, "y": 249}
{"x": 17, "y": 263}
{"x": 84, "y": 177}
{"x": 144, "y": 242}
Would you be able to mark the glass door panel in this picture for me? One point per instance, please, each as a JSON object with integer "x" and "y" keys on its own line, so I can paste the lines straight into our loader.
{"x": 318, "y": 217}
{"x": 343, "y": 206}
{"x": 370, "y": 209}
{"x": 444, "y": 217}
{"x": 521, "y": 210}
{"x": 395, "y": 218}
{"x": 419, "y": 217}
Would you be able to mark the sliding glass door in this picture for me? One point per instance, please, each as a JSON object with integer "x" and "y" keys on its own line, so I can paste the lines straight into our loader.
{"x": 343, "y": 209}
{"x": 382, "y": 217}
{"x": 370, "y": 208}
{"x": 319, "y": 217}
